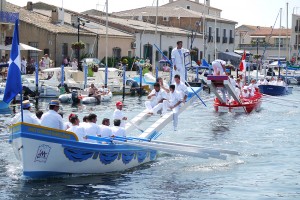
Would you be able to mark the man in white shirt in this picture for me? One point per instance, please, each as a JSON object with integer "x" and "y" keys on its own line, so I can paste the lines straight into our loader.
{"x": 117, "y": 130}
{"x": 28, "y": 117}
{"x": 47, "y": 61}
{"x": 118, "y": 113}
{"x": 51, "y": 118}
{"x": 105, "y": 129}
{"x": 156, "y": 98}
{"x": 181, "y": 88}
{"x": 177, "y": 56}
{"x": 91, "y": 128}
{"x": 173, "y": 103}
{"x": 245, "y": 93}
{"x": 218, "y": 66}
{"x": 75, "y": 128}
{"x": 23, "y": 65}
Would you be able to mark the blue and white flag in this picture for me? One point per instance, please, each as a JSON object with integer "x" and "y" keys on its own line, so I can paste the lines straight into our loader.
{"x": 13, "y": 81}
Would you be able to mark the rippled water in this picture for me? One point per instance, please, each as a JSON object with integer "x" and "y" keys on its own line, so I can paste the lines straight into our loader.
{"x": 268, "y": 167}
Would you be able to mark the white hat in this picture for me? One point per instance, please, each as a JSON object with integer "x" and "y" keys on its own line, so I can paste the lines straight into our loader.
{"x": 245, "y": 88}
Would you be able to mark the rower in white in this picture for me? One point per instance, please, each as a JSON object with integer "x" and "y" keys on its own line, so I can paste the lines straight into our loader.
{"x": 156, "y": 98}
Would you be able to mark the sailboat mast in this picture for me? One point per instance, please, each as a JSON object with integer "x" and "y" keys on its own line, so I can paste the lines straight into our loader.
{"x": 203, "y": 30}
{"x": 279, "y": 44}
{"x": 287, "y": 32}
{"x": 106, "y": 45}
{"x": 155, "y": 35}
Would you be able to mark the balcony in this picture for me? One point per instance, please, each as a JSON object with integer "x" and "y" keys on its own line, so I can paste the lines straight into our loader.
{"x": 8, "y": 17}
{"x": 295, "y": 46}
{"x": 231, "y": 40}
{"x": 224, "y": 39}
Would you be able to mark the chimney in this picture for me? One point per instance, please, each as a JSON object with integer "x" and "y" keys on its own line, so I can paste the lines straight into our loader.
{"x": 170, "y": 1}
{"x": 57, "y": 16}
{"x": 208, "y": 3}
{"x": 29, "y": 6}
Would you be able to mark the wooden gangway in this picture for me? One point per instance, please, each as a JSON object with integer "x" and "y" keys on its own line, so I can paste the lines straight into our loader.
{"x": 153, "y": 130}
{"x": 215, "y": 82}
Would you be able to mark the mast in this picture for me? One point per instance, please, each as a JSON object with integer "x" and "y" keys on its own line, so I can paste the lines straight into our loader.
{"x": 279, "y": 43}
{"x": 287, "y": 31}
{"x": 203, "y": 30}
{"x": 155, "y": 35}
{"x": 106, "y": 45}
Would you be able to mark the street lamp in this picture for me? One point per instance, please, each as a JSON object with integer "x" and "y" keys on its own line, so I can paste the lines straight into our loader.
{"x": 79, "y": 22}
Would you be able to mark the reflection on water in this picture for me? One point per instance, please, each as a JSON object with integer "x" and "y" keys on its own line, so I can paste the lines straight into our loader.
{"x": 267, "y": 168}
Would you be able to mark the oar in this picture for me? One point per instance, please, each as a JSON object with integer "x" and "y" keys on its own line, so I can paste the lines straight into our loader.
{"x": 172, "y": 149}
{"x": 283, "y": 99}
{"x": 160, "y": 147}
{"x": 136, "y": 126}
{"x": 280, "y": 104}
{"x": 183, "y": 145}
{"x": 195, "y": 93}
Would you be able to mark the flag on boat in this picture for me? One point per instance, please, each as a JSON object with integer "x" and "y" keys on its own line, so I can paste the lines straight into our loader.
{"x": 243, "y": 62}
{"x": 13, "y": 81}
{"x": 204, "y": 63}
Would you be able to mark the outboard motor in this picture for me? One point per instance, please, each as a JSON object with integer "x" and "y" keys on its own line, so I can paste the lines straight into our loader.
{"x": 75, "y": 98}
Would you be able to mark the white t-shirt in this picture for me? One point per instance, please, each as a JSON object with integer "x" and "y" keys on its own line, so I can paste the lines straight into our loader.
{"x": 52, "y": 119}
{"x": 92, "y": 129}
{"x": 79, "y": 131}
{"x": 118, "y": 131}
{"x": 28, "y": 117}
{"x": 161, "y": 94}
{"x": 174, "y": 97}
{"x": 118, "y": 114}
{"x": 182, "y": 89}
{"x": 105, "y": 131}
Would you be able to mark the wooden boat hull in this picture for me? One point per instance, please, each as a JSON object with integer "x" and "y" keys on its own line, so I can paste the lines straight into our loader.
{"x": 46, "y": 152}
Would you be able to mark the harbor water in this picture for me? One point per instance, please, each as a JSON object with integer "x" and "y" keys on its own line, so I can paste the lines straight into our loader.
{"x": 268, "y": 166}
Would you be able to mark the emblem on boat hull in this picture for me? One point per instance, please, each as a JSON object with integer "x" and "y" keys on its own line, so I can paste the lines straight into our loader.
{"x": 42, "y": 153}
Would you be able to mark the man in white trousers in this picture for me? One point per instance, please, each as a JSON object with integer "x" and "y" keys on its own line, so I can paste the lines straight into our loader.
{"x": 177, "y": 57}
{"x": 156, "y": 98}
{"x": 173, "y": 103}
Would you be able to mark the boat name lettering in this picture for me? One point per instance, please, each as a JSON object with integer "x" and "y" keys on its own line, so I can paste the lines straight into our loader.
{"x": 42, "y": 153}
{"x": 16, "y": 129}
{"x": 49, "y": 132}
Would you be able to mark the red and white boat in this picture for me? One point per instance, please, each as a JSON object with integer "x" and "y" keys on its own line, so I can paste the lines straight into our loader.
{"x": 239, "y": 104}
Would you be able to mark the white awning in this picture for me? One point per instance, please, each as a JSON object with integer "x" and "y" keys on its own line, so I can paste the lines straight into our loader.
{"x": 257, "y": 36}
{"x": 277, "y": 36}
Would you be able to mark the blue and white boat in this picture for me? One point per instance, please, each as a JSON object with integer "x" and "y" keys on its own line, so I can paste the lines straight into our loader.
{"x": 275, "y": 90}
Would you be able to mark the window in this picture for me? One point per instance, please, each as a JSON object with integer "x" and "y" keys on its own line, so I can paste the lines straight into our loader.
{"x": 188, "y": 7}
{"x": 157, "y": 55}
{"x": 117, "y": 52}
{"x": 170, "y": 52}
{"x": 230, "y": 33}
{"x": 34, "y": 54}
{"x": 148, "y": 52}
{"x": 87, "y": 48}
{"x": 64, "y": 50}
{"x": 224, "y": 33}
{"x": 129, "y": 54}
{"x": 166, "y": 19}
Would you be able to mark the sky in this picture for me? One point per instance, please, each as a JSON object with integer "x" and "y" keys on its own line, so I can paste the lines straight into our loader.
{"x": 250, "y": 12}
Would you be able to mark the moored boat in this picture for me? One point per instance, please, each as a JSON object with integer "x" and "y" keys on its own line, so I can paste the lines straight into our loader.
{"x": 275, "y": 90}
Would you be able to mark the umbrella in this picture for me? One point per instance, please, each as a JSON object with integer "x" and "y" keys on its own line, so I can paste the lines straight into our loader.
{"x": 3, "y": 47}
{"x": 25, "y": 47}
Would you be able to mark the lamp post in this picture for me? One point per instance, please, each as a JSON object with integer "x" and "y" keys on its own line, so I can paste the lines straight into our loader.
{"x": 82, "y": 23}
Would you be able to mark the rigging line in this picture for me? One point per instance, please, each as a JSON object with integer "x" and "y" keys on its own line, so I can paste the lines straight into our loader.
{"x": 262, "y": 57}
